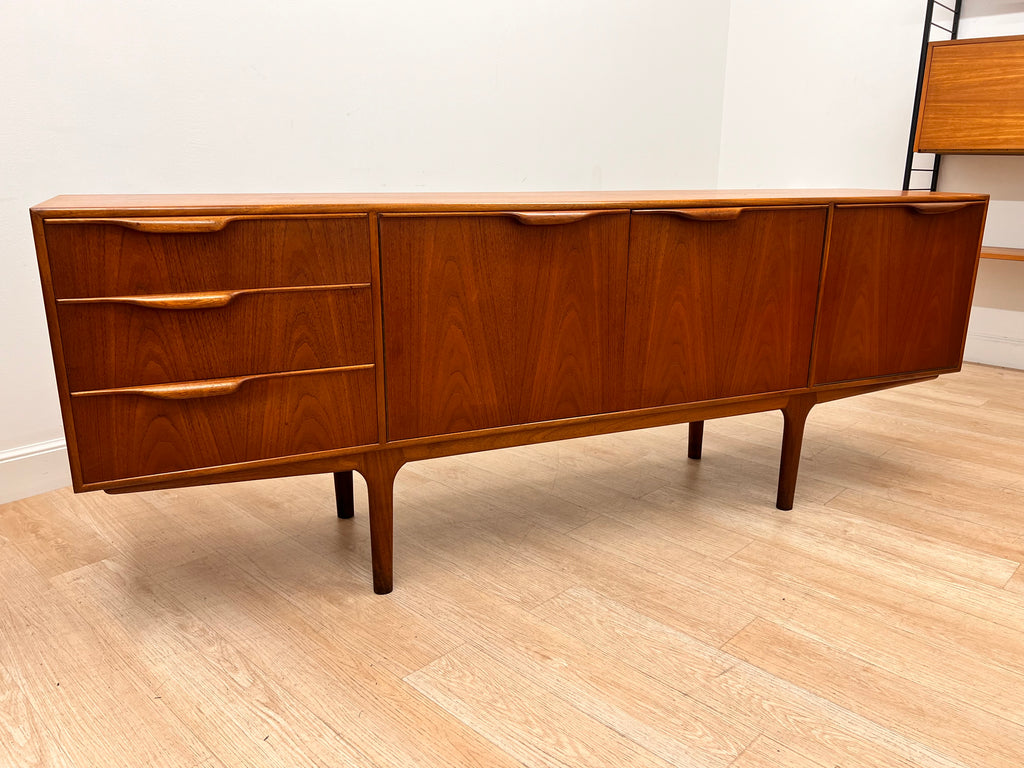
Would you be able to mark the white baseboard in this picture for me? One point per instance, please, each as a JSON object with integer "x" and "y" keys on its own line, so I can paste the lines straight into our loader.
{"x": 31, "y": 469}
{"x": 996, "y": 337}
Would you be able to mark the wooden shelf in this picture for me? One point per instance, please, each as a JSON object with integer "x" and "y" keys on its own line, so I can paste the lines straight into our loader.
{"x": 1006, "y": 254}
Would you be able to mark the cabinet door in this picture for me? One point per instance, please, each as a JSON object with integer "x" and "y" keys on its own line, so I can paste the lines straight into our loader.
{"x": 721, "y": 302}
{"x": 897, "y": 289}
{"x": 495, "y": 319}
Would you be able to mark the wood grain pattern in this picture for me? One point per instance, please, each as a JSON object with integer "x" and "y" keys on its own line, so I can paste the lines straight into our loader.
{"x": 110, "y": 260}
{"x": 549, "y": 733}
{"x": 896, "y": 291}
{"x": 973, "y": 97}
{"x": 720, "y": 308}
{"x": 868, "y": 690}
{"x": 492, "y": 323}
{"x": 670, "y": 724}
{"x": 123, "y": 344}
{"x": 766, "y": 753}
{"x": 125, "y": 435}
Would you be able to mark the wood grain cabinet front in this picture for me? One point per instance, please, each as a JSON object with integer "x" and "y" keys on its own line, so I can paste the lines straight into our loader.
{"x": 121, "y": 256}
{"x": 896, "y": 291}
{"x": 150, "y": 431}
{"x": 721, "y": 302}
{"x": 501, "y": 319}
{"x": 130, "y": 340}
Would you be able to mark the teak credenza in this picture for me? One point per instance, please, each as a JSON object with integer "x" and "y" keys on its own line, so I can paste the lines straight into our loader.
{"x": 215, "y": 338}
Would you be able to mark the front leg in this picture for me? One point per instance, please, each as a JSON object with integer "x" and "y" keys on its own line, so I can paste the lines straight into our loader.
{"x": 795, "y": 415}
{"x": 379, "y": 470}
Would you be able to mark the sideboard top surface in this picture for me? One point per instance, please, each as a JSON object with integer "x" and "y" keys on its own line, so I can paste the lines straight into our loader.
{"x": 241, "y": 204}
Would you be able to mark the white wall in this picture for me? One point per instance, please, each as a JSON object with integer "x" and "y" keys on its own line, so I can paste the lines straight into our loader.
{"x": 327, "y": 95}
{"x": 996, "y": 334}
{"x": 819, "y": 94}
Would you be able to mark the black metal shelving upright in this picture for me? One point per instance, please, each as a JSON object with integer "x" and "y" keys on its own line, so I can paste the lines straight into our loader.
{"x": 933, "y": 30}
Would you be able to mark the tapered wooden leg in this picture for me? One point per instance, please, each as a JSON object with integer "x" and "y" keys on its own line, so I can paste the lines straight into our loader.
{"x": 795, "y": 415}
{"x": 379, "y": 470}
{"x": 343, "y": 494}
{"x": 696, "y": 440}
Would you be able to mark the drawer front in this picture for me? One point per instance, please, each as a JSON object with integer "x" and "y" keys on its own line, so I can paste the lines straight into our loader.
{"x": 721, "y": 302}
{"x": 117, "y": 257}
{"x": 135, "y": 434}
{"x": 896, "y": 291}
{"x": 136, "y": 340}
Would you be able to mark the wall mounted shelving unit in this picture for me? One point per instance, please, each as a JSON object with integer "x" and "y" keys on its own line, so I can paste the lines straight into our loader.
{"x": 969, "y": 100}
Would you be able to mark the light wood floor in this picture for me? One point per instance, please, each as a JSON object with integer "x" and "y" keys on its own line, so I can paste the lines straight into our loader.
{"x": 601, "y": 602}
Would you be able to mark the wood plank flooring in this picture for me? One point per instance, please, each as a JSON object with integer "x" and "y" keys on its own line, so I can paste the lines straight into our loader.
{"x": 599, "y": 602}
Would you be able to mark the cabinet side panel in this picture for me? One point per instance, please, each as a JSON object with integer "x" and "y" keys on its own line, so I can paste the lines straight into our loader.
{"x": 56, "y": 347}
{"x": 896, "y": 291}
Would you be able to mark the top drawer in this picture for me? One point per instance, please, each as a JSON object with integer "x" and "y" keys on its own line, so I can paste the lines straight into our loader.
{"x": 113, "y": 257}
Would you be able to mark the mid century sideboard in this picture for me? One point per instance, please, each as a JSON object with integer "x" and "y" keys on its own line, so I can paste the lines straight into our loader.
{"x": 214, "y": 338}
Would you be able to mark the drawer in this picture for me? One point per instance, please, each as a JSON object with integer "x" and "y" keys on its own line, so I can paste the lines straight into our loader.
{"x": 117, "y": 257}
{"x": 131, "y": 340}
{"x": 169, "y": 428}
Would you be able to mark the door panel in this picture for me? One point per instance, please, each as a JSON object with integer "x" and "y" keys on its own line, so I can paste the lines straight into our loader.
{"x": 721, "y": 302}
{"x": 897, "y": 289}
{"x": 499, "y": 319}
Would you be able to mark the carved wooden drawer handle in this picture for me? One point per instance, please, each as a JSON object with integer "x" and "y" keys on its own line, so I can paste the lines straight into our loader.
{"x": 932, "y": 208}
{"x": 182, "y": 224}
{"x": 205, "y": 299}
{"x": 700, "y": 214}
{"x": 165, "y": 301}
{"x": 547, "y": 218}
{"x": 188, "y": 390}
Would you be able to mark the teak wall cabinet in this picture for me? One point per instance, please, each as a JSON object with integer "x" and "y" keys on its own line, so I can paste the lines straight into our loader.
{"x": 206, "y": 339}
{"x": 972, "y": 98}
